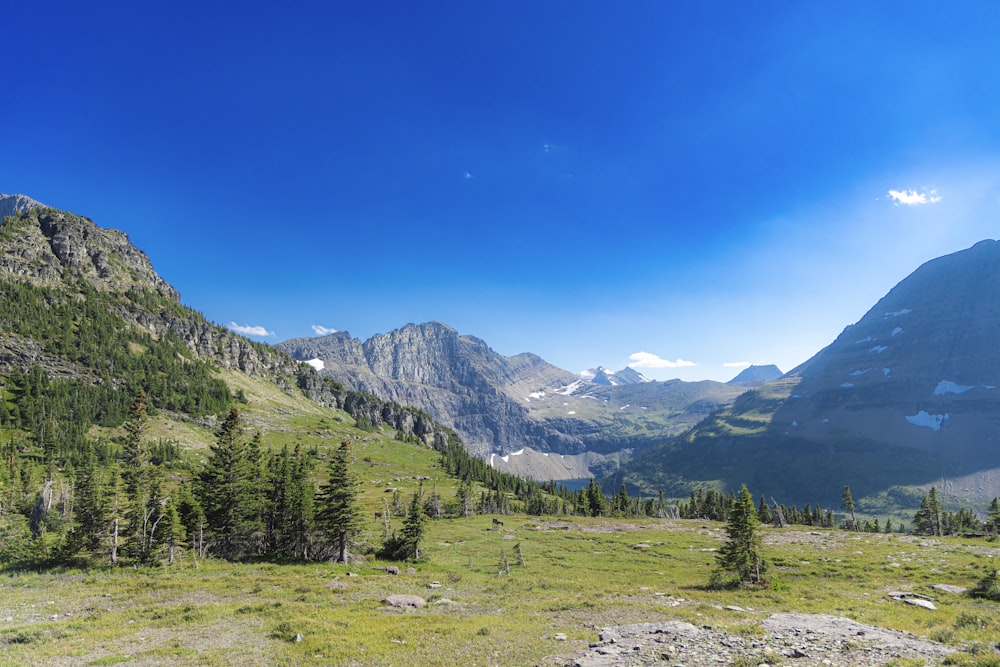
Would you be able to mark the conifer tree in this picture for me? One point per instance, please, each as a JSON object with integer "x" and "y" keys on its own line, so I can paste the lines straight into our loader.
{"x": 338, "y": 516}
{"x": 927, "y": 520}
{"x": 596, "y": 502}
{"x": 90, "y": 524}
{"x": 847, "y": 501}
{"x": 413, "y": 528}
{"x": 229, "y": 490}
{"x": 741, "y": 554}
{"x": 993, "y": 522}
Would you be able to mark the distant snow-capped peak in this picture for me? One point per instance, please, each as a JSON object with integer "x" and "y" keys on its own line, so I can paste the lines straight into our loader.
{"x": 603, "y": 376}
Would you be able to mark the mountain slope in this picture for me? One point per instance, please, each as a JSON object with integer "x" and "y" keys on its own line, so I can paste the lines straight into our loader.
{"x": 86, "y": 323}
{"x": 505, "y": 404}
{"x": 753, "y": 376}
{"x": 909, "y": 395}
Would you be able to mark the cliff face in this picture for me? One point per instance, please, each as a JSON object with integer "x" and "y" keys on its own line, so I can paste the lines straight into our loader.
{"x": 56, "y": 249}
{"x": 71, "y": 255}
{"x": 504, "y": 404}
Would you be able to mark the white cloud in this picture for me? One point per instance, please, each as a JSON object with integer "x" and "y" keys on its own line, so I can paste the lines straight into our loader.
{"x": 250, "y": 330}
{"x": 322, "y": 330}
{"x": 468, "y": 176}
{"x": 913, "y": 198}
{"x": 650, "y": 360}
{"x": 737, "y": 364}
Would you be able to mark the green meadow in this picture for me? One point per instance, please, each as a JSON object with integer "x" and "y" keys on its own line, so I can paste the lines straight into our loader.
{"x": 577, "y": 576}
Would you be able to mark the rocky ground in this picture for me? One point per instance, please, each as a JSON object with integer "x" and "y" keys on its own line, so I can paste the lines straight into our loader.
{"x": 799, "y": 640}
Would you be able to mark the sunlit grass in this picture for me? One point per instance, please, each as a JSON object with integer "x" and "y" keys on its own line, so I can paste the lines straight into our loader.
{"x": 578, "y": 576}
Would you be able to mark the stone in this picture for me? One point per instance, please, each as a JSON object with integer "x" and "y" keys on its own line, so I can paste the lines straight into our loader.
{"x": 401, "y": 600}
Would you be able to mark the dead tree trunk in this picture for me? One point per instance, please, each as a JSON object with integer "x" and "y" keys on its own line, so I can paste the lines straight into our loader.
{"x": 779, "y": 515}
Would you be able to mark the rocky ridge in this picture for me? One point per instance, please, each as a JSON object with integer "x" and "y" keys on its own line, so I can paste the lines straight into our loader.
{"x": 14, "y": 204}
{"x": 504, "y": 406}
{"x": 57, "y": 249}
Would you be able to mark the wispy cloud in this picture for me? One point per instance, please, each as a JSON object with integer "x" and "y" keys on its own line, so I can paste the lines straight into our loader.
{"x": 322, "y": 330}
{"x": 250, "y": 330}
{"x": 468, "y": 176}
{"x": 913, "y": 198}
{"x": 737, "y": 364}
{"x": 650, "y": 360}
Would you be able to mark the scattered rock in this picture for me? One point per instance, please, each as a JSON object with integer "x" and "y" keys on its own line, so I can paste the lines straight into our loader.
{"x": 561, "y": 636}
{"x": 809, "y": 640}
{"x": 643, "y": 545}
{"x": 948, "y": 588}
{"x": 400, "y": 600}
{"x": 411, "y": 570}
{"x": 915, "y": 599}
{"x": 434, "y": 584}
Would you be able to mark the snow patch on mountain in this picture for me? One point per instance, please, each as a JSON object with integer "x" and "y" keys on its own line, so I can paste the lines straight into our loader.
{"x": 949, "y": 387}
{"x": 897, "y": 313}
{"x": 316, "y": 363}
{"x": 924, "y": 419}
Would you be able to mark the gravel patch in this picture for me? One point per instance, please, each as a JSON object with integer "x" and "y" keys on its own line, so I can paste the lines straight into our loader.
{"x": 803, "y": 640}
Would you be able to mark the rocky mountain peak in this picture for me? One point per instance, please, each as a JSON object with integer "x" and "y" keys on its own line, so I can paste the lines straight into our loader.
{"x": 753, "y": 376}
{"x": 47, "y": 246}
{"x": 607, "y": 378}
{"x": 14, "y": 204}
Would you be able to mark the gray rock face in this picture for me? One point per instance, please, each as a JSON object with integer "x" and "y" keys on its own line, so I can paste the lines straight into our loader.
{"x": 14, "y": 204}
{"x": 503, "y": 404}
{"x": 47, "y": 246}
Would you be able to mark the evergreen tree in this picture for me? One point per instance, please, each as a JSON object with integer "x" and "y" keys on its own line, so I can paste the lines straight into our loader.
{"x": 596, "y": 502}
{"x": 338, "y": 516}
{"x": 230, "y": 495}
{"x": 993, "y": 523}
{"x": 927, "y": 520}
{"x": 90, "y": 525}
{"x": 413, "y": 528}
{"x": 741, "y": 554}
{"x": 764, "y": 512}
{"x": 847, "y": 502}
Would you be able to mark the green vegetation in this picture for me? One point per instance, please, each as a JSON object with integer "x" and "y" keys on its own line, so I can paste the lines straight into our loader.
{"x": 742, "y": 555}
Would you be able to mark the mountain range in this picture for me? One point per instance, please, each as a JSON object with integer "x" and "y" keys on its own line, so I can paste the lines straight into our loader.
{"x": 908, "y": 396}
{"x": 515, "y": 411}
{"x": 905, "y": 398}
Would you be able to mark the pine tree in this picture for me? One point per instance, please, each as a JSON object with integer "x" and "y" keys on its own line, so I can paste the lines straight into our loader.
{"x": 413, "y": 528}
{"x": 927, "y": 520}
{"x": 741, "y": 554}
{"x": 596, "y": 501}
{"x": 993, "y": 523}
{"x": 847, "y": 501}
{"x": 230, "y": 493}
{"x": 90, "y": 525}
{"x": 338, "y": 516}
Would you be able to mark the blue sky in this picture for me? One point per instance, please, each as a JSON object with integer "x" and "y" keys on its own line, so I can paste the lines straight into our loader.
{"x": 706, "y": 184}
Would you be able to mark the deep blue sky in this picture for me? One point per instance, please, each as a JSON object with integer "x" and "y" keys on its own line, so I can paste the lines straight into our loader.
{"x": 706, "y": 181}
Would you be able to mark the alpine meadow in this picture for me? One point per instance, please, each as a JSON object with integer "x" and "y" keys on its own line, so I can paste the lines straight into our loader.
{"x": 500, "y": 334}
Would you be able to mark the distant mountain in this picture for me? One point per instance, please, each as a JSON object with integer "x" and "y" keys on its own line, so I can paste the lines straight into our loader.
{"x": 756, "y": 375}
{"x": 12, "y": 204}
{"x": 907, "y": 396}
{"x": 502, "y": 405}
{"x": 603, "y": 376}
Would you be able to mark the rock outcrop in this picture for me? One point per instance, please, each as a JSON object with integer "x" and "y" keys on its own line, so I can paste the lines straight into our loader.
{"x": 501, "y": 405}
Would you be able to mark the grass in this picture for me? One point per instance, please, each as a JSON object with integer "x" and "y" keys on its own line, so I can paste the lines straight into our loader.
{"x": 579, "y": 575}
{"x": 574, "y": 581}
